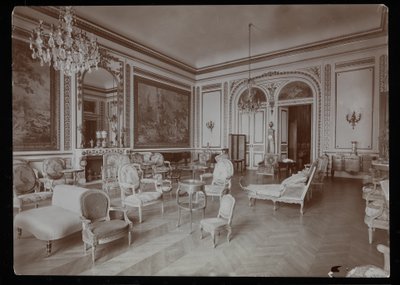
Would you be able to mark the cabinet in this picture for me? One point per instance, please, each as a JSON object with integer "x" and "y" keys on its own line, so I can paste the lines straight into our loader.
{"x": 237, "y": 150}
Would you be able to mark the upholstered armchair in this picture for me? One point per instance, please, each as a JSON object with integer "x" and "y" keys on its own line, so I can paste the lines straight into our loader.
{"x": 269, "y": 165}
{"x": 132, "y": 194}
{"x": 159, "y": 165}
{"x": 97, "y": 227}
{"x": 221, "y": 178}
{"x": 223, "y": 220}
{"x": 109, "y": 170}
{"x": 321, "y": 170}
{"x": 52, "y": 172}
{"x": 26, "y": 189}
{"x": 377, "y": 213}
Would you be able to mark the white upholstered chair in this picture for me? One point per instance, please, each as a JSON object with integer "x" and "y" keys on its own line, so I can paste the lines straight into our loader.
{"x": 377, "y": 213}
{"x": 97, "y": 227}
{"x": 221, "y": 178}
{"x": 223, "y": 220}
{"x": 292, "y": 190}
{"x": 109, "y": 170}
{"x": 131, "y": 190}
{"x": 372, "y": 270}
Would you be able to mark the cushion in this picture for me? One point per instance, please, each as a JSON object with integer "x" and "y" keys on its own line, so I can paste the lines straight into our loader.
{"x": 367, "y": 271}
{"x": 49, "y": 223}
{"x": 213, "y": 223}
{"x": 294, "y": 179}
{"x": 273, "y": 190}
{"x": 144, "y": 197}
{"x": 105, "y": 229}
{"x": 35, "y": 197}
{"x": 68, "y": 197}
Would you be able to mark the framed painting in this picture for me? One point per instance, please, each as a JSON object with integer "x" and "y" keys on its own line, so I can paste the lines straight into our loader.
{"x": 162, "y": 115}
{"x": 35, "y": 104}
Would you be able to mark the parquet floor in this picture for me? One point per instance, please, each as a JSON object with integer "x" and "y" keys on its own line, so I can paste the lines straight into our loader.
{"x": 264, "y": 243}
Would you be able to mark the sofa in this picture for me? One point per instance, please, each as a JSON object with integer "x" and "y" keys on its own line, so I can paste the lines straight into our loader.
{"x": 60, "y": 219}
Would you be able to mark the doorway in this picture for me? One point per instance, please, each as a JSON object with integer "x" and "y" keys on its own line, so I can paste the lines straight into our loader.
{"x": 295, "y": 133}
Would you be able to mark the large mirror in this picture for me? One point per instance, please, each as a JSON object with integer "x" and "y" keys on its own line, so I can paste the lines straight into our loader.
{"x": 100, "y": 108}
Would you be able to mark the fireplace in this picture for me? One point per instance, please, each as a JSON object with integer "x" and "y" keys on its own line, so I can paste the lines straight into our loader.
{"x": 93, "y": 167}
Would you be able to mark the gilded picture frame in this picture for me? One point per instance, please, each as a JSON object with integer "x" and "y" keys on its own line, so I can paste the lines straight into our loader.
{"x": 35, "y": 102}
{"x": 162, "y": 115}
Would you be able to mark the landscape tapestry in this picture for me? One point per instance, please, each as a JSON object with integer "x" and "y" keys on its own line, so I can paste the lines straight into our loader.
{"x": 162, "y": 115}
{"x": 34, "y": 102}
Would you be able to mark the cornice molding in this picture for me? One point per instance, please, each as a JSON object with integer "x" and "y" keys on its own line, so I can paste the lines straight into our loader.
{"x": 139, "y": 71}
{"x": 125, "y": 42}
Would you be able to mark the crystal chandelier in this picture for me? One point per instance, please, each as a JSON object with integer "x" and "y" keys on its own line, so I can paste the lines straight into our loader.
{"x": 250, "y": 104}
{"x": 67, "y": 48}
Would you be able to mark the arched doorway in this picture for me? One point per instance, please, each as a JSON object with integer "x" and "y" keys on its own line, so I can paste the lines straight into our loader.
{"x": 295, "y": 119}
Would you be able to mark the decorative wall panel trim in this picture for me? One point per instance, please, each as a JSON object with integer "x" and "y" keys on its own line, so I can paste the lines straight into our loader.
{"x": 383, "y": 73}
{"x": 165, "y": 79}
{"x": 351, "y": 63}
{"x": 327, "y": 106}
{"x": 197, "y": 113}
{"x": 67, "y": 113}
{"x": 226, "y": 115}
{"x": 360, "y": 100}
{"x": 127, "y": 130}
{"x": 211, "y": 87}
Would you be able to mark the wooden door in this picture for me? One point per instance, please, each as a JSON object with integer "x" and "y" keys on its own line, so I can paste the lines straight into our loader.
{"x": 283, "y": 132}
{"x": 254, "y": 127}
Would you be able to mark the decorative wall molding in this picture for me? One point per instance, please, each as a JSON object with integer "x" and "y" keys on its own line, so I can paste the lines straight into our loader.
{"x": 383, "y": 73}
{"x": 67, "y": 113}
{"x": 327, "y": 106}
{"x": 351, "y": 63}
{"x": 226, "y": 115}
{"x": 127, "y": 129}
{"x": 57, "y": 81}
{"x": 209, "y": 87}
{"x": 158, "y": 77}
{"x": 197, "y": 113}
{"x": 314, "y": 70}
{"x": 284, "y": 75}
{"x": 113, "y": 65}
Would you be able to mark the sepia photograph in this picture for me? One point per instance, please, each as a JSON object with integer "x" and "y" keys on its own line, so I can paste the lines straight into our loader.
{"x": 201, "y": 141}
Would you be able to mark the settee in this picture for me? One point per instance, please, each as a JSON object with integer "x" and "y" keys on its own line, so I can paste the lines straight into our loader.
{"x": 56, "y": 221}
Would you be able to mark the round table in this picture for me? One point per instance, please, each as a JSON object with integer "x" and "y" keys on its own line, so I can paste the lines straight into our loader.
{"x": 191, "y": 202}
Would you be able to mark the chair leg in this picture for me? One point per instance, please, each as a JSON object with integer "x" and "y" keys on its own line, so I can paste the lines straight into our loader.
{"x": 48, "y": 247}
{"x": 84, "y": 248}
{"x": 93, "y": 252}
{"x": 370, "y": 229}
{"x": 162, "y": 208}
{"x": 179, "y": 217}
{"x": 229, "y": 234}
{"x": 19, "y": 233}
{"x": 129, "y": 238}
{"x": 274, "y": 205}
{"x": 213, "y": 238}
{"x": 201, "y": 232}
{"x": 140, "y": 214}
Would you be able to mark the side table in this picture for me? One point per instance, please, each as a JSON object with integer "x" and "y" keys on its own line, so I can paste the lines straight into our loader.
{"x": 191, "y": 202}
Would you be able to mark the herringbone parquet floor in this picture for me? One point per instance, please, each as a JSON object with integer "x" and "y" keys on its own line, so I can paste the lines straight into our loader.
{"x": 264, "y": 243}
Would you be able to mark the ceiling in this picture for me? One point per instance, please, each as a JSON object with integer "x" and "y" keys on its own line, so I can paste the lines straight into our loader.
{"x": 204, "y": 36}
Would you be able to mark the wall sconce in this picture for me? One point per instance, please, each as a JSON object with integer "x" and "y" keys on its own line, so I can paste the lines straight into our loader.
{"x": 210, "y": 125}
{"x": 353, "y": 119}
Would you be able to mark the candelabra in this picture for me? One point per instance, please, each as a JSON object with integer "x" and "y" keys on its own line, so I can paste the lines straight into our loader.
{"x": 210, "y": 125}
{"x": 353, "y": 119}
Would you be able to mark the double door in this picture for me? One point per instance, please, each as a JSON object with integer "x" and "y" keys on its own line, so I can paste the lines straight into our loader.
{"x": 253, "y": 125}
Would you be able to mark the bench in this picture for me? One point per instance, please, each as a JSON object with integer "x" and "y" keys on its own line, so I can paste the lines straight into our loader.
{"x": 60, "y": 219}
